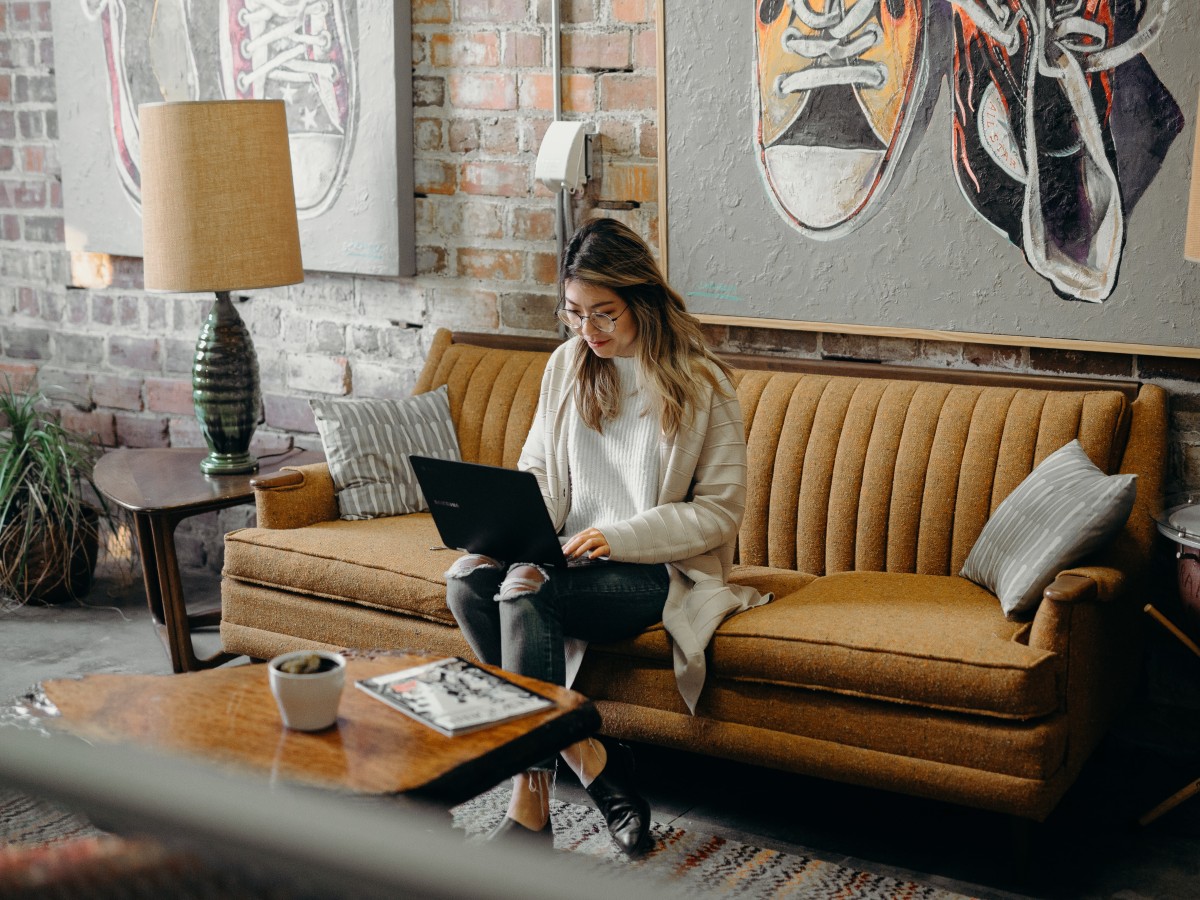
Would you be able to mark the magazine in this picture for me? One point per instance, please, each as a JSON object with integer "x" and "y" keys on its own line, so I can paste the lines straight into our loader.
{"x": 453, "y": 696}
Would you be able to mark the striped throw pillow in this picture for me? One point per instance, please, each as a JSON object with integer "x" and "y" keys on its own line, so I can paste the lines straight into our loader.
{"x": 367, "y": 444}
{"x": 1066, "y": 509}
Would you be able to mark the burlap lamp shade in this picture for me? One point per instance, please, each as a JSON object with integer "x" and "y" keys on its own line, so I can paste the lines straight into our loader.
{"x": 1191, "y": 240}
{"x": 219, "y": 214}
{"x": 218, "y": 207}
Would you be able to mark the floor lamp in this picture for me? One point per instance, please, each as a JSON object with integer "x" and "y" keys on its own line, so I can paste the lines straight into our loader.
{"x": 219, "y": 214}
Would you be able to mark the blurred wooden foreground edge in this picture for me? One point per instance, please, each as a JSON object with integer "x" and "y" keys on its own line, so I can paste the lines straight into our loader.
{"x": 228, "y": 716}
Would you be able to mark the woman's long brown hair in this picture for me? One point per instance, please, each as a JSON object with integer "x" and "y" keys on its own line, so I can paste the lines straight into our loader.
{"x": 671, "y": 350}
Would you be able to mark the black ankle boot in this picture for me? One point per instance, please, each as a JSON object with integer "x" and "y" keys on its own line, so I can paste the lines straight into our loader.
{"x": 625, "y": 810}
{"x": 512, "y": 832}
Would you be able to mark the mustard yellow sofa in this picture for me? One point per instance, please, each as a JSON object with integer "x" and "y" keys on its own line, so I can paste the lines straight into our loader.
{"x": 876, "y": 664}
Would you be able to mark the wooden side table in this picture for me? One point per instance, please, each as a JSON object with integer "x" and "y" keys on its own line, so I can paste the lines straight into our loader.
{"x": 162, "y": 487}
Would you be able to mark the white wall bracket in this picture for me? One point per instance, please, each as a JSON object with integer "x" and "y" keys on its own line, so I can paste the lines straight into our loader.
{"x": 563, "y": 160}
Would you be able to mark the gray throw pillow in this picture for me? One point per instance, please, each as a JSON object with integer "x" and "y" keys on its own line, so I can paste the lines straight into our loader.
{"x": 1065, "y": 509}
{"x": 367, "y": 443}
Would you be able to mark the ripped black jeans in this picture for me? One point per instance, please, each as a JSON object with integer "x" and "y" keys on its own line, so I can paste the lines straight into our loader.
{"x": 515, "y": 616}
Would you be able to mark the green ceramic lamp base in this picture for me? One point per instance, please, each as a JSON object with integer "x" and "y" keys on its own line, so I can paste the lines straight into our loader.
{"x": 229, "y": 464}
{"x": 225, "y": 390}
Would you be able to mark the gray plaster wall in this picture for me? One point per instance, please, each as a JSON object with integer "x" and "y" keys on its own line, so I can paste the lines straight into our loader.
{"x": 926, "y": 259}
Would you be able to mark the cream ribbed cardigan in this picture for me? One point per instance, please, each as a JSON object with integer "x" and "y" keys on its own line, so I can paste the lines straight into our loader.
{"x": 694, "y": 526}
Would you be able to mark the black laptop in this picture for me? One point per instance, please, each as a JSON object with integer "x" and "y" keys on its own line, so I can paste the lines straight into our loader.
{"x": 489, "y": 510}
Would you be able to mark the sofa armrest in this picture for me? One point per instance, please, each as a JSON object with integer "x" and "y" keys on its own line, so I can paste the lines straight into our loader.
{"x": 1081, "y": 586}
{"x": 1103, "y": 583}
{"x": 1070, "y": 588}
{"x": 295, "y": 497}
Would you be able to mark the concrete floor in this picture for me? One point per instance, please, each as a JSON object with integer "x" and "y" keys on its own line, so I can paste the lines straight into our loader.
{"x": 1090, "y": 847}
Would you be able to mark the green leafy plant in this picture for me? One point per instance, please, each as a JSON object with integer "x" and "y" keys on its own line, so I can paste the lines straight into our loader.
{"x": 50, "y": 511}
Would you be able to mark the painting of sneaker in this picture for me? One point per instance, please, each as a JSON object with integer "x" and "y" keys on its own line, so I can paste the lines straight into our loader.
{"x": 297, "y": 51}
{"x": 129, "y": 77}
{"x": 1034, "y": 149}
{"x": 837, "y": 83}
{"x": 991, "y": 56}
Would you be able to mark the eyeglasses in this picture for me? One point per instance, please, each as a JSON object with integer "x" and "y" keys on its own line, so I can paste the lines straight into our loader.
{"x": 600, "y": 321}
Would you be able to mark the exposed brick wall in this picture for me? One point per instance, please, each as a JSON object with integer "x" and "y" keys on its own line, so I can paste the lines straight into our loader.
{"x": 485, "y": 234}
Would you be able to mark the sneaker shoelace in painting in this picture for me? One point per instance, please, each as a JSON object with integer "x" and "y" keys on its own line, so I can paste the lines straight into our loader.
{"x": 1069, "y": 32}
{"x": 841, "y": 37}
{"x": 283, "y": 36}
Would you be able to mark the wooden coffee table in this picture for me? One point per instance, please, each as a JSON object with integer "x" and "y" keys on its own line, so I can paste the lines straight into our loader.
{"x": 228, "y": 716}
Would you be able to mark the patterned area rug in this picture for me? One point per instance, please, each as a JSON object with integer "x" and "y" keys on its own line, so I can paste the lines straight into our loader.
{"x": 50, "y": 853}
{"x": 703, "y": 864}
{"x": 45, "y": 846}
{"x": 25, "y": 822}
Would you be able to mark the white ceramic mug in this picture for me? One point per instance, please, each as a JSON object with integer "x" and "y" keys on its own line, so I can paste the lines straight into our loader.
{"x": 308, "y": 702}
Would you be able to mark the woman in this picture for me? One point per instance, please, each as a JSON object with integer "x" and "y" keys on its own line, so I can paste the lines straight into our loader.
{"x": 639, "y": 448}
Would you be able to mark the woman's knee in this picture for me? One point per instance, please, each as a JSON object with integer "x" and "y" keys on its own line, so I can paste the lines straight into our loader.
{"x": 470, "y": 564}
{"x": 523, "y": 580}
{"x": 466, "y": 586}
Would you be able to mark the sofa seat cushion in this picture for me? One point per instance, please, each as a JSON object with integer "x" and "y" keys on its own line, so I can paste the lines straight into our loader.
{"x": 655, "y": 644}
{"x": 383, "y": 563}
{"x": 935, "y": 641}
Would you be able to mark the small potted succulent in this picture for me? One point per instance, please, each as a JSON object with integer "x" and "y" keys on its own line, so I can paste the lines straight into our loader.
{"x": 50, "y": 512}
{"x": 307, "y": 685}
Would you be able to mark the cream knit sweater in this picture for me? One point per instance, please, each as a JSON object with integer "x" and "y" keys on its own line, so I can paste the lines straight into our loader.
{"x": 694, "y": 527}
{"x": 614, "y": 473}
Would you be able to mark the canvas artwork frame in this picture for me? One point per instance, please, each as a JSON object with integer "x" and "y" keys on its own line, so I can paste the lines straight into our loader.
{"x": 951, "y": 214}
{"x": 342, "y": 67}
